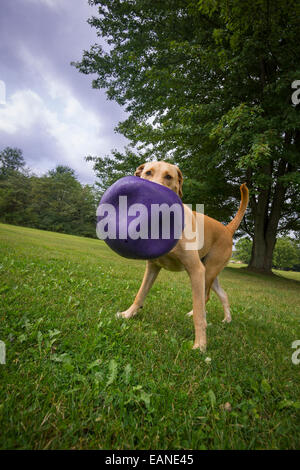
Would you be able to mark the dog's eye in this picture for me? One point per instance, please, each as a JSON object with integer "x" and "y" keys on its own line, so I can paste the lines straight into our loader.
{"x": 168, "y": 177}
{"x": 148, "y": 173}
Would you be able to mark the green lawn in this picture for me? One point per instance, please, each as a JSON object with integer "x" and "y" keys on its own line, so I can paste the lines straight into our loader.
{"x": 76, "y": 377}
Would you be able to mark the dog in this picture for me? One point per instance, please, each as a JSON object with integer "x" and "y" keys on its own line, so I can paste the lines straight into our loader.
{"x": 203, "y": 265}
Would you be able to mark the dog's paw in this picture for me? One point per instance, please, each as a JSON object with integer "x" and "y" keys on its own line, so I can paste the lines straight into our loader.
{"x": 123, "y": 314}
{"x": 202, "y": 347}
{"x": 227, "y": 319}
{"x": 128, "y": 313}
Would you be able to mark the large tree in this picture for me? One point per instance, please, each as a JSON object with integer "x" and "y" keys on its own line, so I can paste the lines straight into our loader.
{"x": 11, "y": 160}
{"x": 207, "y": 84}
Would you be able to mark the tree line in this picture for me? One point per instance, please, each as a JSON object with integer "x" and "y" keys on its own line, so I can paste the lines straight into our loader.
{"x": 286, "y": 254}
{"x": 207, "y": 85}
{"x": 55, "y": 201}
{"x": 58, "y": 202}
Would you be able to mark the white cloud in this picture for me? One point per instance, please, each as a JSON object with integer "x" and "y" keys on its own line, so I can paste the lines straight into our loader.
{"x": 20, "y": 112}
{"x": 57, "y": 114}
{"x": 48, "y": 3}
{"x": 74, "y": 130}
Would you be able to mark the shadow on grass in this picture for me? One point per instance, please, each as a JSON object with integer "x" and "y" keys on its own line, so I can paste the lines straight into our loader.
{"x": 244, "y": 271}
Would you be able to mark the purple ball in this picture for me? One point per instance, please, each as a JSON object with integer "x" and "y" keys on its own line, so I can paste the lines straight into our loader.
{"x": 140, "y": 219}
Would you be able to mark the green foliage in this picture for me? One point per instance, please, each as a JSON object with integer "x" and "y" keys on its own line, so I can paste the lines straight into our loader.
{"x": 286, "y": 254}
{"x": 55, "y": 201}
{"x": 243, "y": 250}
{"x": 210, "y": 90}
{"x": 11, "y": 159}
{"x": 110, "y": 168}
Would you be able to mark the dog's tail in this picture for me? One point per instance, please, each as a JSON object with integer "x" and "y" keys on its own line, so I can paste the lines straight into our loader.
{"x": 234, "y": 224}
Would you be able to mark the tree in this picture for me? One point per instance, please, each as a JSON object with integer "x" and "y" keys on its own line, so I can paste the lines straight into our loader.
{"x": 286, "y": 254}
{"x": 61, "y": 204}
{"x": 210, "y": 90}
{"x": 110, "y": 168}
{"x": 15, "y": 199}
{"x": 11, "y": 159}
{"x": 243, "y": 250}
{"x": 62, "y": 171}
{"x": 55, "y": 201}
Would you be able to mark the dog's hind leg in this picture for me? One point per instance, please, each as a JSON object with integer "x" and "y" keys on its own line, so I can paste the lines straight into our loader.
{"x": 216, "y": 287}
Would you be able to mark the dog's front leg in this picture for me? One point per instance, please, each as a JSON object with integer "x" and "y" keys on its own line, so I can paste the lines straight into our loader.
{"x": 196, "y": 271}
{"x": 150, "y": 275}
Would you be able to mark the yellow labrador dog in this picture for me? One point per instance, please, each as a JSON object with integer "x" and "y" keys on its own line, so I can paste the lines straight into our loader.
{"x": 203, "y": 265}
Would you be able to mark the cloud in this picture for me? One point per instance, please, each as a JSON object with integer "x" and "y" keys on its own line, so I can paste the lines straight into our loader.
{"x": 48, "y": 3}
{"x": 52, "y": 113}
{"x": 73, "y": 130}
{"x": 21, "y": 112}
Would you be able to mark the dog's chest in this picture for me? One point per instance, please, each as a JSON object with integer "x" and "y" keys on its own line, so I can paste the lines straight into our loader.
{"x": 169, "y": 262}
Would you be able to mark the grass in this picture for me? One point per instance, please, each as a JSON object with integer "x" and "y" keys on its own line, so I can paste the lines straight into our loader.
{"x": 285, "y": 274}
{"x": 76, "y": 377}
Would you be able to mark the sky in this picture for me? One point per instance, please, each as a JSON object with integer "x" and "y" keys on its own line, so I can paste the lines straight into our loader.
{"x": 50, "y": 110}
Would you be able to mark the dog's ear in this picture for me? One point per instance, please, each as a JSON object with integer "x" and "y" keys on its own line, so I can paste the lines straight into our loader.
{"x": 180, "y": 181}
{"x": 139, "y": 170}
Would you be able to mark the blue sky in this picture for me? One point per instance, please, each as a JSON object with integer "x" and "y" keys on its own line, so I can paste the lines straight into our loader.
{"x": 51, "y": 111}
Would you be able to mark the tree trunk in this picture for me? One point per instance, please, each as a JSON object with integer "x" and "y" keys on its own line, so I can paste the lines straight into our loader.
{"x": 264, "y": 238}
{"x": 266, "y": 220}
{"x": 262, "y": 252}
